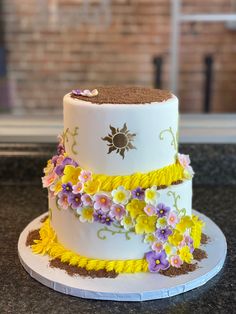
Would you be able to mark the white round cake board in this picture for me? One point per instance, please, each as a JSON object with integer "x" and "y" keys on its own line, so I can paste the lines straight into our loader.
{"x": 126, "y": 287}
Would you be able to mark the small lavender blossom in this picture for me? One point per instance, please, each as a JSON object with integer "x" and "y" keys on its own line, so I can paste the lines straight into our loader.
{"x": 99, "y": 216}
{"x": 163, "y": 233}
{"x": 138, "y": 193}
{"x": 54, "y": 159}
{"x": 67, "y": 188}
{"x": 157, "y": 261}
{"x": 108, "y": 219}
{"x": 162, "y": 210}
{"x": 75, "y": 200}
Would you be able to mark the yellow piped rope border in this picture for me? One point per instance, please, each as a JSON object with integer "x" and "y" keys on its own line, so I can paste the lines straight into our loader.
{"x": 164, "y": 176}
{"x": 48, "y": 244}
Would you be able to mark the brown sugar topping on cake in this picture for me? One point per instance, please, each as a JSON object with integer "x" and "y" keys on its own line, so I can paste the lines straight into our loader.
{"x": 126, "y": 95}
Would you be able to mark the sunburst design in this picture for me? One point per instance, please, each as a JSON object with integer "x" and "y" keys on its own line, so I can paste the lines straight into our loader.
{"x": 120, "y": 140}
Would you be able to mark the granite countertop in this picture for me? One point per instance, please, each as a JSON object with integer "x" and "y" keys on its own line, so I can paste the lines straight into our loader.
{"x": 21, "y": 201}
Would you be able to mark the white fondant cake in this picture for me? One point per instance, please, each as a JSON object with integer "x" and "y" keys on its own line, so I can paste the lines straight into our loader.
{"x": 146, "y": 121}
{"x": 120, "y": 194}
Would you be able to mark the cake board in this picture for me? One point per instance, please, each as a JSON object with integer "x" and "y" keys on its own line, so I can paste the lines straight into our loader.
{"x": 126, "y": 287}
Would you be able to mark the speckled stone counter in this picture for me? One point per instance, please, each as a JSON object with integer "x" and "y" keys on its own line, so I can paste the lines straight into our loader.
{"x": 21, "y": 200}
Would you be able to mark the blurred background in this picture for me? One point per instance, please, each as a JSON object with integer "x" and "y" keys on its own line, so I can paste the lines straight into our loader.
{"x": 49, "y": 47}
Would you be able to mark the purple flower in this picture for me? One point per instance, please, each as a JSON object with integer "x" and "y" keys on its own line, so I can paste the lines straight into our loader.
{"x": 108, "y": 219}
{"x": 162, "y": 210}
{"x": 99, "y": 216}
{"x": 138, "y": 193}
{"x": 67, "y": 161}
{"x": 103, "y": 218}
{"x": 67, "y": 188}
{"x": 75, "y": 200}
{"x": 163, "y": 233}
{"x": 157, "y": 261}
{"x": 85, "y": 92}
{"x": 54, "y": 159}
{"x": 77, "y": 92}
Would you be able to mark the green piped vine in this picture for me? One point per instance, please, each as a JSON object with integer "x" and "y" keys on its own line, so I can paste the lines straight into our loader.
{"x": 113, "y": 232}
{"x": 174, "y": 140}
{"x": 73, "y": 134}
{"x": 176, "y": 197}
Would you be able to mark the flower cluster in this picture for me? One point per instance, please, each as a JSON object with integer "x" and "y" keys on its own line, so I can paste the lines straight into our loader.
{"x": 85, "y": 92}
{"x": 171, "y": 235}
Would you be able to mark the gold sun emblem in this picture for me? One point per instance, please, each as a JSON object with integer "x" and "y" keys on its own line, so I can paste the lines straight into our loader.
{"x": 119, "y": 140}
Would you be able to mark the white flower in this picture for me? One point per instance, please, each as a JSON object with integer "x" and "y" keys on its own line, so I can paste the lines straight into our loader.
{"x": 127, "y": 222}
{"x": 121, "y": 195}
{"x": 151, "y": 195}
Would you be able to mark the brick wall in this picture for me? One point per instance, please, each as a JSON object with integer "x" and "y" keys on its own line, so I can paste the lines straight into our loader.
{"x": 56, "y": 45}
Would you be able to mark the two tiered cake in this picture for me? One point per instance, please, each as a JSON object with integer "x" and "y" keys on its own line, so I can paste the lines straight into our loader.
{"x": 120, "y": 194}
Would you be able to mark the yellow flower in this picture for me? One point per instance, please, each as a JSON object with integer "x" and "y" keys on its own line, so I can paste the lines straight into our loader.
{"x": 149, "y": 238}
{"x": 185, "y": 254}
{"x": 57, "y": 187}
{"x": 47, "y": 237}
{"x": 135, "y": 207}
{"x": 71, "y": 174}
{"x": 92, "y": 187}
{"x": 145, "y": 224}
{"x": 161, "y": 222}
{"x": 86, "y": 214}
{"x": 185, "y": 223}
{"x": 49, "y": 168}
{"x": 175, "y": 238}
{"x": 196, "y": 231}
{"x": 169, "y": 249}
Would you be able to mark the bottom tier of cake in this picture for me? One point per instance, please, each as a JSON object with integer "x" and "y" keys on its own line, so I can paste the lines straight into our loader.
{"x": 111, "y": 241}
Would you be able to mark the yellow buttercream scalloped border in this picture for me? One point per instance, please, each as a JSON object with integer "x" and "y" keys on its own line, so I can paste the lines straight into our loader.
{"x": 48, "y": 244}
{"x": 165, "y": 176}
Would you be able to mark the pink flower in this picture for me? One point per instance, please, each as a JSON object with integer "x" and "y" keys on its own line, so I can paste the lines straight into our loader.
{"x": 49, "y": 179}
{"x": 102, "y": 201}
{"x": 157, "y": 247}
{"x": 149, "y": 210}
{"x": 63, "y": 201}
{"x": 184, "y": 160}
{"x": 172, "y": 219}
{"x": 78, "y": 188}
{"x": 85, "y": 176}
{"x": 60, "y": 159}
{"x": 118, "y": 211}
{"x": 86, "y": 199}
{"x": 175, "y": 261}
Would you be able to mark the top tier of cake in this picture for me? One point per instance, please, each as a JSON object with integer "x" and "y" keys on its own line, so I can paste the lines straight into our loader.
{"x": 122, "y": 130}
